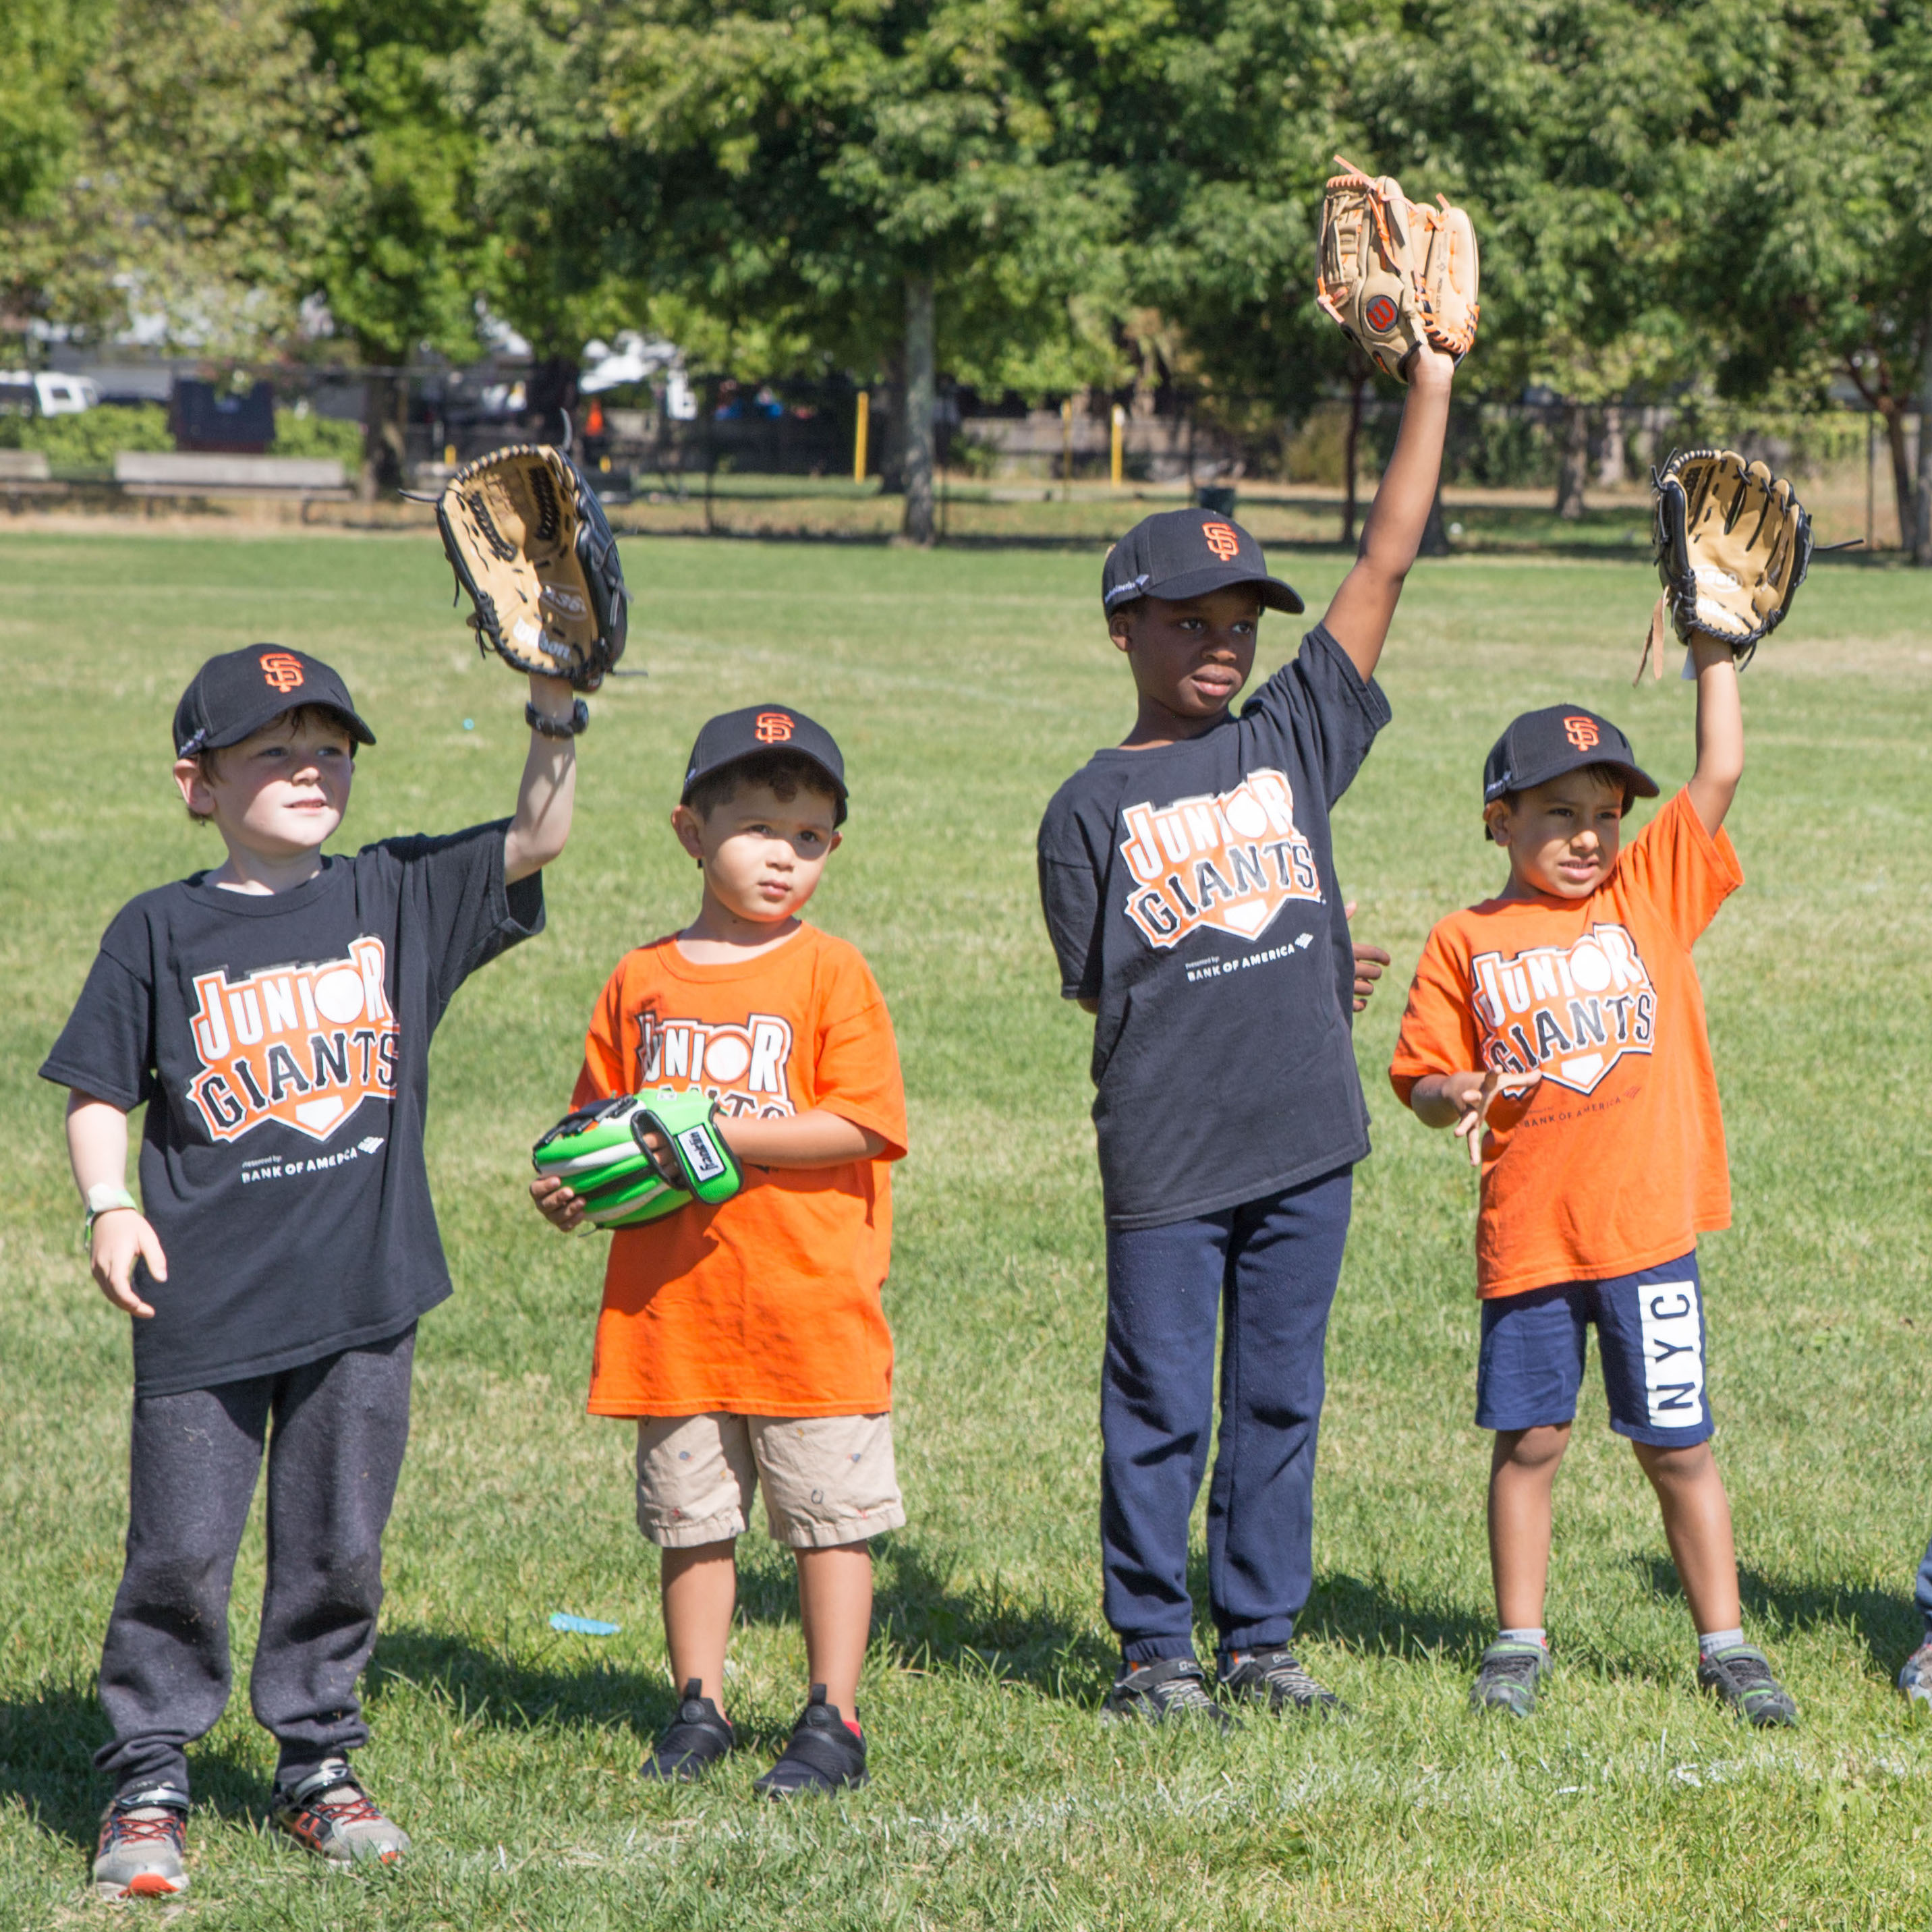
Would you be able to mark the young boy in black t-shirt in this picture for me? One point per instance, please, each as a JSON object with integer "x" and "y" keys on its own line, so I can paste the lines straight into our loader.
{"x": 274, "y": 1015}
{"x": 1189, "y": 888}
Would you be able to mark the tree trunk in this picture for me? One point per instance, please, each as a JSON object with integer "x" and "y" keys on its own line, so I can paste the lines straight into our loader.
{"x": 1612, "y": 457}
{"x": 918, "y": 408}
{"x": 1435, "y": 534}
{"x": 1358, "y": 383}
{"x": 385, "y": 406}
{"x": 551, "y": 403}
{"x": 1894, "y": 413}
{"x": 1575, "y": 463}
{"x": 1921, "y": 534}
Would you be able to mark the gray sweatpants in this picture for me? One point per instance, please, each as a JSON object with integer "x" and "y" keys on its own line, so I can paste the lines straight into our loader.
{"x": 336, "y": 1448}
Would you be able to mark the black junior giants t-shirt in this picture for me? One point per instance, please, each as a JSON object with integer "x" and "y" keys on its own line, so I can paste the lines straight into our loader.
{"x": 1190, "y": 889}
{"x": 282, "y": 1043}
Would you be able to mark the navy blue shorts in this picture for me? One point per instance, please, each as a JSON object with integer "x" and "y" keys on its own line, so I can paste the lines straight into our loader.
{"x": 1650, "y": 1330}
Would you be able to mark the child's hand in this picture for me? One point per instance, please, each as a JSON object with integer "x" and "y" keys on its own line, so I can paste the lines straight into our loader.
{"x": 556, "y": 1203}
{"x": 1470, "y": 1094}
{"x": 1369, "y": 962}
{"x": 122, "y": 1236}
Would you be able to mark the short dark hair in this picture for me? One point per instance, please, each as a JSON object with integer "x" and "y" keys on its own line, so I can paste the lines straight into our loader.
{"x": 785, "y": 773}
{"x": 1611, "y": 778}
{"x": 289, "y": 722}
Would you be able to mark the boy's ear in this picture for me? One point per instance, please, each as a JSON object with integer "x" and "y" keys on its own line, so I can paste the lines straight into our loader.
{"x": 1495, "y": 821}
{"x": 690, "y": 830}
{"x": 192, "y": 783}
{"x": 1121, "y": 627}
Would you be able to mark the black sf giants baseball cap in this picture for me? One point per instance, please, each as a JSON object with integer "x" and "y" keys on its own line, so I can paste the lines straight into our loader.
{"x": 758, "y": 728}
{"x": 1544, "y": 745}
{"x": 1181, "y": 553}
{"x": 231, "y": 697}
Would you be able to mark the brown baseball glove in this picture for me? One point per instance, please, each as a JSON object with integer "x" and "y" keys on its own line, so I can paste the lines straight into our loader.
{"x": 530, "y": 543}
{"x": 1394, "y": 274}
{"x": 1732, "y": 545}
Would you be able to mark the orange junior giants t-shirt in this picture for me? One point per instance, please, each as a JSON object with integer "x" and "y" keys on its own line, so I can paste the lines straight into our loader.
{"x": 767, "y": 1304}
{"x": 1615, "y": 1161}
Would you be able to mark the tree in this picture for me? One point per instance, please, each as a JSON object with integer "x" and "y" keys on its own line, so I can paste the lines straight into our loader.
{"x": 896, "y": 187}
{"x": 1827, "y": 167}
{"x": 398, "y": 266}
{"x": 194, "y": 187}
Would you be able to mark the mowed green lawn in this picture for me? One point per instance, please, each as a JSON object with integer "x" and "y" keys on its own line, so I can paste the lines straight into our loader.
{"x": 963, "y": 687}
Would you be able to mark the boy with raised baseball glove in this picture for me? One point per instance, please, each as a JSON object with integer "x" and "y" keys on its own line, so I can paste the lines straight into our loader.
{"x": 1559, "y": 1028}
{"x": 1188, "y": 880}
{"x": 274, "y": 1014}
{"x": 737, "y": 1117}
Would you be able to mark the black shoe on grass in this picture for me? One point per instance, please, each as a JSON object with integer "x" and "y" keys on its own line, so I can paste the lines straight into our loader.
{"x": 1275, "y": 1678}
{"x": 695, "y": 1739}
{"x": 825, "y": 1753}
{"x": 1507, "y": 1677}
{"x": 1165, "y": 1690}
{"x": 1741, "y": 1675}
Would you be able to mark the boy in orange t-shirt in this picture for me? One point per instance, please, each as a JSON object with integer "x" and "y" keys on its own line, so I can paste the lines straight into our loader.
{"x": 748, "y": 1338}
{"x": 1565, "y": 1016}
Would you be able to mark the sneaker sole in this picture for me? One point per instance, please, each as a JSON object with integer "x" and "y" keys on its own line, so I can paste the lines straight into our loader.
{"x": 143, "y": 1884}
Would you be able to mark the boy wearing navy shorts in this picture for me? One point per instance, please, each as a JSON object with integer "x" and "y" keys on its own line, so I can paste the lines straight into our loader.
{"x": 1558, "y": 1027}
{"x": 1188, "y": 880}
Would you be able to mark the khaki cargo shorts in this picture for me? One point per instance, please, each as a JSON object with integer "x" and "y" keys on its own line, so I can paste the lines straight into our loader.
{"x": 828, "y": 1479}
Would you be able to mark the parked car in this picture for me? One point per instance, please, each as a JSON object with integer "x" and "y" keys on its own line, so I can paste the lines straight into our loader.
{"x": 38, "y": 392}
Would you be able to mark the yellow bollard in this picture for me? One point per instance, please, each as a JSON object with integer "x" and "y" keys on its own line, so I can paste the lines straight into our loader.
{"x": 1120, "y": 426}
{"x": 858, "y": 438}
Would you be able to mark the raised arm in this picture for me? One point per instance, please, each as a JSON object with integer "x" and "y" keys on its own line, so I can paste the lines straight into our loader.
{"x": 1721, "y": 732}
{"x": 548, "y": 793}
{"x": 1362, "y": 609}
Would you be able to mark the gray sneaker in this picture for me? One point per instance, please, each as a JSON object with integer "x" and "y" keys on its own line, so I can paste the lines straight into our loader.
{"x": 1167, "y": 1690}
{"x": 1507, "y": 1676}
{"x": 1277, "y": 1679}
{"x": 328, "y": 1812}
{"x": 1740, "y": 1675}
{"x": 143, "y": 1836}
{"x": 1915, "y": 1681}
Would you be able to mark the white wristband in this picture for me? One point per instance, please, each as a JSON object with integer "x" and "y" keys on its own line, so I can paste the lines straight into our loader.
{"x": 103, "y": 1197}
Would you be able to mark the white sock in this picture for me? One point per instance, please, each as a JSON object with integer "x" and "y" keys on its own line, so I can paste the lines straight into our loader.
{"x": 1710, "y": 1640}
{"x": 1528, "y": 1633}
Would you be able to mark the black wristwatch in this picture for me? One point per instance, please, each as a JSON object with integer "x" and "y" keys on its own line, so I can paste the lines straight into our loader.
{"x": 545, "y": 726}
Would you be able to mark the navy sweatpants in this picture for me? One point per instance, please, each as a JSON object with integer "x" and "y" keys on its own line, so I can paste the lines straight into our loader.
{"x": 1267, "y": 1269}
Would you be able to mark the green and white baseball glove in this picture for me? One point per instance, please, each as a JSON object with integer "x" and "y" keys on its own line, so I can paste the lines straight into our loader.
{"x": 599, "y": 1154}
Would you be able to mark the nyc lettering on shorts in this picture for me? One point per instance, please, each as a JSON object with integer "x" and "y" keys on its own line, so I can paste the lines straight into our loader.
{"x": 1650, "y": 1332}
{"x": 829, "y": 1480}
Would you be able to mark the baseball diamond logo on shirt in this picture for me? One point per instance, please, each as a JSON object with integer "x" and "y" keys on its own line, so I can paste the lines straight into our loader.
{"x": 1572, "y": 1012}
{"x": 305, "y": 1046}
{"x": 742, "y": 1068}
{"x": 1229, "y": 860}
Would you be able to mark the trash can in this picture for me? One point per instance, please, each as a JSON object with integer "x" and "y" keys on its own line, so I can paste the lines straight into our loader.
{"x": 1219, "y": 497}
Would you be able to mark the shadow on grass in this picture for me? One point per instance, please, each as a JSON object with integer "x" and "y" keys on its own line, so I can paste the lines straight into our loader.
{"x": 1888, "y": 1624}
{"x": 46, "y": 1761}
{"x": 1363, "y": 1614}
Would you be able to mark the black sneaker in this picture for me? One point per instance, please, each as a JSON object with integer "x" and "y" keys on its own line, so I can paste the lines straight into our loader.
{"x": 1159, "y": 1692}
{"x": 1740, "y": 1675}
{"x": 697, "y": 1738}
{"x": 1275, "y": 1678}
{"x": 1507, "y": 1678}
{"x": 824, "y": 1754}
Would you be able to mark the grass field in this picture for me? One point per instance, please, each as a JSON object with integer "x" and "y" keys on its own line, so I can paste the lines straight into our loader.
{"x": 963, "y": 686}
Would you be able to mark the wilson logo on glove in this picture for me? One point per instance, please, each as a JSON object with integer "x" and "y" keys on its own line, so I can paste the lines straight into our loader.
{"x": 1231, "y": 861}
{"x": 304, "y": 1045}
{"x": 1570, "y": 1012}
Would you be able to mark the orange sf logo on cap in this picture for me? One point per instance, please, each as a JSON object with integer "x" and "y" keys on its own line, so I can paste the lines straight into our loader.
{"x": 773, "y": 727}
{"x": 1582, "y": 732}
{"x": 1223, "y": 540}
{"x": 281, "y": 672}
